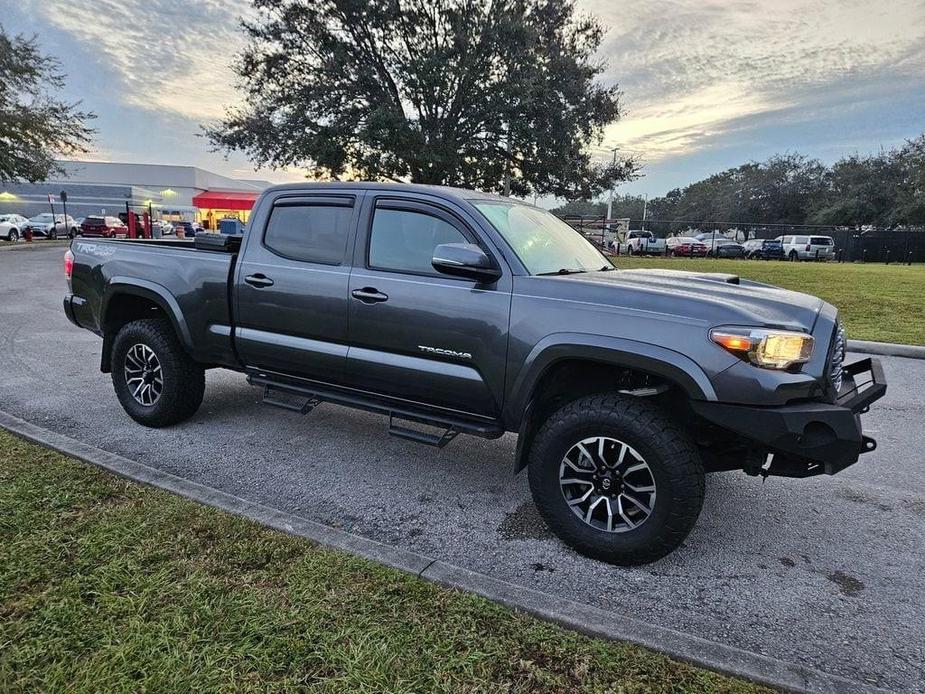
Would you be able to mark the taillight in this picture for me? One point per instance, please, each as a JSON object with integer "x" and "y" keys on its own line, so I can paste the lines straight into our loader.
{"x": 68, "y": 265}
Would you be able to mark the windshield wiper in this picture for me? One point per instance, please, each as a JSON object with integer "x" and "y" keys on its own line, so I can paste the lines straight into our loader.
{"x": 563, "y": 271}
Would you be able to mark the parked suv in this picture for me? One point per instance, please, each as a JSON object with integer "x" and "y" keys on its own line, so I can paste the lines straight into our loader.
{"x": 457, "y": 312}
{"x": 98, "y": 225}
{"x": 808, "y": 247}
{"x": 52, "y": 226}
{"x": 11, "y": 226}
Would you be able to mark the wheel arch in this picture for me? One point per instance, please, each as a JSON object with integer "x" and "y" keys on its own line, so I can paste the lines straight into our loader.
{"x": 595, "y": 357}
{"x": 127, "y": 299}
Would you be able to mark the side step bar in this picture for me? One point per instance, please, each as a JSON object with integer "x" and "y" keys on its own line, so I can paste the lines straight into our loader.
{"x": 310, "y": 402}
{"x": 438, "y": 441}
{"x": 305, "y": 399}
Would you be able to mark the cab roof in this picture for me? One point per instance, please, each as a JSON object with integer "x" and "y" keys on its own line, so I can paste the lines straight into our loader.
{"x": 447, "y": 192}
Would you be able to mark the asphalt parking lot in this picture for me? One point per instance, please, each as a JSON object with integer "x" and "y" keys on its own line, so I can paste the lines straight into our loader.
{"x": 827, "y": 572}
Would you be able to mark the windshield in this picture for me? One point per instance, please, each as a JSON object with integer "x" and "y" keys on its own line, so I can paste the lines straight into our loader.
{"x": 543, "y": 242}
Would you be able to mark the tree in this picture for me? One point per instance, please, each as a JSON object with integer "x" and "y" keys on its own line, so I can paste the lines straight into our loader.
{"x": 462, "y": 92}
{"x": 861, "y": 190}
{"x": 910, "y": 202}
{"x": 581, "y": 208}
{"x": 35, "y": 127}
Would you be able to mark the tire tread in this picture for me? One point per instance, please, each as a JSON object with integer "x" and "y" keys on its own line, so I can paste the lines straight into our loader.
{"x": 178, "y": 402}
{"x": 680, "y": 454}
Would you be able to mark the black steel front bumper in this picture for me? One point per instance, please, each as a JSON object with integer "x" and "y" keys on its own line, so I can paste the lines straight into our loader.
{"x": 809, "y": 438}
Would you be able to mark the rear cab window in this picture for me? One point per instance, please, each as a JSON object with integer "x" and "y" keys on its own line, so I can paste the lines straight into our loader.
{"x": 313, "y": 232}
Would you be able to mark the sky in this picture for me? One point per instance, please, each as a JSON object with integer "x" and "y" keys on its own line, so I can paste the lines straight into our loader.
{"x": 707, "y": 84}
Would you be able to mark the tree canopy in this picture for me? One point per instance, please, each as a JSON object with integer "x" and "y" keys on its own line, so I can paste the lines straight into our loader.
{"x": 885, "y": 190}
{"x": 35, "y": 126}
{"x": 458, "y": 92}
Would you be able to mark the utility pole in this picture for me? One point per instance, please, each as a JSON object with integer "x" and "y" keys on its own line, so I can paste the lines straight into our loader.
{"x": 645, "y": 206}
{"x": 507, "y": 165}
{"x": 610, "y": 199}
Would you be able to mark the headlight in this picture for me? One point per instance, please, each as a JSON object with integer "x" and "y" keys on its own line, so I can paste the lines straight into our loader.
{"x": 771, "y": 349}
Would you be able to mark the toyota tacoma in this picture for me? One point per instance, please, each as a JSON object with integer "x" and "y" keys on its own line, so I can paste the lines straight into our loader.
{"x": 457, "y": 312}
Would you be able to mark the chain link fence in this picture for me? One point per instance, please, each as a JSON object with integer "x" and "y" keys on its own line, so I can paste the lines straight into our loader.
{"x": 902, "y": 245}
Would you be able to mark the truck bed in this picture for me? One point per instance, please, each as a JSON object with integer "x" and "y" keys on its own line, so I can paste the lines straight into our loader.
{"x": 179, "y": 274}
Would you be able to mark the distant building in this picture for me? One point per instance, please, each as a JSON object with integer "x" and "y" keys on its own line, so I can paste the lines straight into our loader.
{"x": 170, "y": 192}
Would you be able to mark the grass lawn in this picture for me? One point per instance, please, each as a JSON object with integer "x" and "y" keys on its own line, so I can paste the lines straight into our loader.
{"x": 106, "y": 585}
{"x": 878, "y": 302}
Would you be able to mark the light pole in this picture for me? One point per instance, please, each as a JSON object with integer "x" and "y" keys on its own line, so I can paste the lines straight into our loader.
{"x": 610, "y": 200}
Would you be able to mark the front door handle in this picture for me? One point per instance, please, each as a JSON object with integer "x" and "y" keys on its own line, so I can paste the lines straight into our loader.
{"x": 369, "y": 295}
{"x": 259, "y": 280}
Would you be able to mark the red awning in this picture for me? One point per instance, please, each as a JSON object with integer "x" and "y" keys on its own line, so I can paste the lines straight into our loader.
{"x": 225, "y": 200}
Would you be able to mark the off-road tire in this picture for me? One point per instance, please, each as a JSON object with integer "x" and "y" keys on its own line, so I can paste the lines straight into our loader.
{"x": 669, "y": 452}
{"x": 183, "y": 379}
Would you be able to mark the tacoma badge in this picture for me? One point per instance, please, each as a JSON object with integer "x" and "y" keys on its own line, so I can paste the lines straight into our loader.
{"x": 445, "y": 352}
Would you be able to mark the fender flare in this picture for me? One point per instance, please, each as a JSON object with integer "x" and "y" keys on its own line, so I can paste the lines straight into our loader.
{"x": 660, "y": 361}
{"x": 152, "y": 291}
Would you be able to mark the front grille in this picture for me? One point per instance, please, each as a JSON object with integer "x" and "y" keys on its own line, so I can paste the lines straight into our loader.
{"x": 837, "y": 358}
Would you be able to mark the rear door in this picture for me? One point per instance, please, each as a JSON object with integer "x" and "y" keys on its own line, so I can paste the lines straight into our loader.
{"x": 822, "y": 247}
{"x": 418, "y": 335}
{"x": 291, "y": 286}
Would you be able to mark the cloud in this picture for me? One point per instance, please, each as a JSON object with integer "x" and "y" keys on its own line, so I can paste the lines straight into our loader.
{"x": 696, "y": 74}
{"x": 171, "y": 56}
{"x": 692, "y": 70}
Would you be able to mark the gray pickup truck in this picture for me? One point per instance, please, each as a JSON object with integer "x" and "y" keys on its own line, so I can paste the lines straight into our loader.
{"x": 455, "y": 312}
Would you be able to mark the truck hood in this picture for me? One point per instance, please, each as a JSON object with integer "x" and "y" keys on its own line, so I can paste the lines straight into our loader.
{"x": 717, "y": 298}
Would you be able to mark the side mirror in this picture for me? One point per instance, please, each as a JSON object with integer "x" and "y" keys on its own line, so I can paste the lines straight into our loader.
{"x": 465, "y": 260}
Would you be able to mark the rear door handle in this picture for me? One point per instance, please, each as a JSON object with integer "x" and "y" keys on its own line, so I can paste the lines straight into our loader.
{"x": 259, "y": 280}
{"x": 369, "y": 295}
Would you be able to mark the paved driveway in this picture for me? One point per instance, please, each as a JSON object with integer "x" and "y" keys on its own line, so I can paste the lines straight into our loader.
{"x": 828, "y": 572}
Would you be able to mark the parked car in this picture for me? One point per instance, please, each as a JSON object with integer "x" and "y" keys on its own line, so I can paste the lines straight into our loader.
{"x": 481, "y": 315}
{"x": 764, "y": 249}
{"x": 719, "y": 246}
{"x": 103, "y": 226}
{"x": 187, "y": 228}
{"x": 642, "y": 242}
{"x": 686, "y": 246}
{"x": 11, "y": 226}
{"x": 808, "y": 247}
{"x": 52, "y": 227}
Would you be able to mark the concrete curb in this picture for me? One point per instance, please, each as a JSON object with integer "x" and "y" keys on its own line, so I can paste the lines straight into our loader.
{"x": 35, "y": 245}
{"x": 887, "y": 349}
{"x": 584, "y": 618}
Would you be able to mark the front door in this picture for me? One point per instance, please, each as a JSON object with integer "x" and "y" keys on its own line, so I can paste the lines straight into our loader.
{"x": 416, "y": 334}
{"x": 291, "y": 287}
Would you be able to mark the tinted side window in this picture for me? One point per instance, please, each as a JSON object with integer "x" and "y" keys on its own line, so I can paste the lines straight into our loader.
{"x": 404, "y": 241}
{"x": 312, "y": 233}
